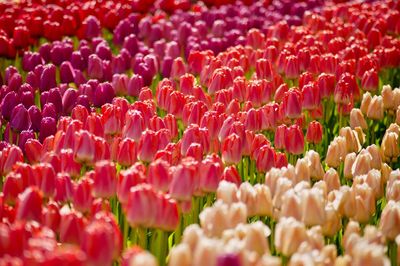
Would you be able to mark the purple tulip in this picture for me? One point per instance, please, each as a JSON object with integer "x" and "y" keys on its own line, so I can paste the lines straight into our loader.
{"x": 228, "y": 260}
{"x": 79, "y": 77}
{"x": 69, "y": 100}
{"x": 44, "y": 51}
{"x": 32, "y": 79}
{"x": 67, "y": 72}
{"x": 30, "y": 60}
{"x": 166, "y": 66}
{"x": 48, "y": 127}
{"x": 120, "y": 83}
{"x": 131, "y": 44}
{"x": 27, "y": 98}
{"x": 95, "y": 67}
{"x": 159, "y": 48}
{"x": 24, "y": 136}
{"x": 146, "y": 73}
{"x": 7, "y": 105}
{"x": 83, "y": 100}
{"x": 20, "y": 119}
{"x": 123, "y": 29}
{"x": 135, "y": 85}
{"x": 118, "y": 64}
{"x": 48, "y": 78}
{"x": 77, "y": 60}
{"x": 92, "y": 27}
{"x": 49, "y": 110}
{"x": 104, "y": 93}
{"x": 35, "y": 117}
{"x": 104, "y": 51}
{"x": 15, "y": 82}
{"x": 9, "y": 136}
{"x": 55, "y": 98}
{"x": 172, "y": 50}
{"x": 9, "y": 72}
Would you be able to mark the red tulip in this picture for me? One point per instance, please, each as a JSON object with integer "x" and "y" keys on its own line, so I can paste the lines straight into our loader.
{"x": 314, "y": 132}
{"x": 84, "y": 149}
{"x": 266, "y": 159}
{"x": 141, "y": 206}
{"x": 12, "y": 187}
{"x": 126, "y": 152}
{"x": 232, "y": 149}
{"x": 29, "y": 205}
{"x": 104, "y": 179}
{"x": 126, "y": 180}
{"x": 294, "y": 140}
{"x": 158, "y": 175}
{"x": 98, "y": 242}
{"x": 82, "y": 195}
{"x": 148, "y": 146}
{"x": 72, "y": 227}
{"x": 63, "y": 188}
{"x": 51, "y": 216}
{"x": 182, "y": 184}
{"x": 231, "y": 174}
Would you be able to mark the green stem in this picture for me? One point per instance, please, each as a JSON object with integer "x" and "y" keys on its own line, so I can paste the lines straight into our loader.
{"x": 392, "y": 252}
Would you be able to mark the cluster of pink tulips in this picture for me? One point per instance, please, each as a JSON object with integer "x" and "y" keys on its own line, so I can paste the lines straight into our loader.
{"x": 173, "y": 132}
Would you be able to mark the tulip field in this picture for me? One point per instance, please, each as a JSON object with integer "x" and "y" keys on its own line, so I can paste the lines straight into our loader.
{"x": 199, "y": 133}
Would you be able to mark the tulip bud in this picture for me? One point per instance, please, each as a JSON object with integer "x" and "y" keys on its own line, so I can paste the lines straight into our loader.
{"x": 388, "y": 97}
{"x": 232, "y": 149}
{"x": 294, "y": 140}
{"x": 48, "y": 78}
{"x": 357, "y": 119}
{"x": 98, "y": 242}
{"x": 389, "y": 146}
{"x": 375, "y": 108}
{"x": 29, "y": 205}
{"x": 20, "y": 119}
{"x": 313, "y": 207}
{"x": 365, "y": 103}
{"x": 104, "y": 179}
{"x": 289, "y": 234}
{"x": 314, "y": 132}
{"x": 370, "y": 80}
{"x": 316, "y": 169}
{"x": 71, "y": 227}
{"x": 336, "y": 152}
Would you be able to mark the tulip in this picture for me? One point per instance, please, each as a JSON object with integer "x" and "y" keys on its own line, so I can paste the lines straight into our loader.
{"x": 289, "y": 234}
{"x": 10, "y": 100}
{"x": 314, "y": 132}
{"x": 210, "y": 174}
{"x": 84, "y": 149}
{"x": 370, "y": 80}
{"x": 98, "y": 242}
{"x": 29, "y": 205}
{"x": 71, "y": 227}
{"x": 375, "y": 108}
{"x": 294, "y": 140}
{"x": 357, "y": 119}
{"x": 231, "y": 174}
{"x": 35, "y": 117}
{"x": 20, "y": 119}
{"x": 126, "y": 152}
{"x": 48, "y": 78}
{"x": 182, "y": 184}
{"x": 104, "y": 179}
{"x": 292, "y": 103}
{"x": 47, "y": 128}
{"x": 12, "y": 187}
{"x": 67, "y": 72}
{"x": 232, "y": 149}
